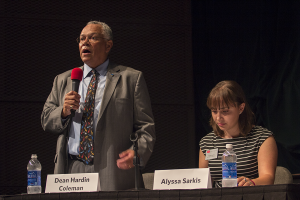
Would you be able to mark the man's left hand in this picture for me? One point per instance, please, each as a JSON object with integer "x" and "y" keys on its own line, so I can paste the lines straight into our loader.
{"x": 126, "y": 159}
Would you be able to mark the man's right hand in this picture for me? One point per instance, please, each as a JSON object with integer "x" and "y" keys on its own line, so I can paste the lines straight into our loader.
{"x": 72, "y": 100}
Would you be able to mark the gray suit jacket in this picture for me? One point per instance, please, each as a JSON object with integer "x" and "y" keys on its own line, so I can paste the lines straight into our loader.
{"x": 125, "y": 109}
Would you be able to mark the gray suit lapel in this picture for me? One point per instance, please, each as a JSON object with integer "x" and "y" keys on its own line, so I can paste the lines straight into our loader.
{"x": 69, "y": 85}
{"x": 112, "y": 78}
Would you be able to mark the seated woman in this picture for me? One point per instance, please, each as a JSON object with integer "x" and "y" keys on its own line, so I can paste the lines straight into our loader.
{"x": 233, "y": 123}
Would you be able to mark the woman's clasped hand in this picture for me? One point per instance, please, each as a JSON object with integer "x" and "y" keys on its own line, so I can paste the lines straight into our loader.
{"x": 243, "y": 181}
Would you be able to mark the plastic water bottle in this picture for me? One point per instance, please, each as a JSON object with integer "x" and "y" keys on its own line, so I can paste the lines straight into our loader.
{"x": 229, "y": 167}
{"x": 34, "y": 169}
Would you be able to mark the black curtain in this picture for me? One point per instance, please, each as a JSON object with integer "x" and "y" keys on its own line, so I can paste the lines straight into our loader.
{"x": 257, "y": 44}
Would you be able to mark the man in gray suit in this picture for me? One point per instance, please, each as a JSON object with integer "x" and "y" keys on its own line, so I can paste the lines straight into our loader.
{"x": 122, "y": 107}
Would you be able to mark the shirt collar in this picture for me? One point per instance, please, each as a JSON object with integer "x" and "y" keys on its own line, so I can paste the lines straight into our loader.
{"x": 101, "y": 69}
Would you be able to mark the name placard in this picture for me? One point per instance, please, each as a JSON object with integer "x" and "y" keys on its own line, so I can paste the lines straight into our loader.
{"x": 197, "y": 178}
{"x": 64, "y": 183}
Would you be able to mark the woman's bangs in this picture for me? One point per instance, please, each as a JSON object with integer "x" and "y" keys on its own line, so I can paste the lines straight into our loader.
{"x": 220, "y": 99}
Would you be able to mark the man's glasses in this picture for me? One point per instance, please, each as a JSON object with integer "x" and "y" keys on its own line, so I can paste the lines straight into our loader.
{"x": 92, "y": 39}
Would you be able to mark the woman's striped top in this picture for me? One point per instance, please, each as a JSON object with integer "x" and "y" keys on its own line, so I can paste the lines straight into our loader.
{"x": 246, "y": 149}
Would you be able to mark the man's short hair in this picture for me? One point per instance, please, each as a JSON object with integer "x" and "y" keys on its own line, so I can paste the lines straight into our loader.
{"x": 106, "y": 30}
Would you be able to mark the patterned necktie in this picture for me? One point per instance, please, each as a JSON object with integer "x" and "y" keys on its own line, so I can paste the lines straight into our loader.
{"x": 86, "y": 150}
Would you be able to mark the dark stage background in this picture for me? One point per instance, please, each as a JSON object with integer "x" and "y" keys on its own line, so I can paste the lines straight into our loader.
{"x": 254, "y": 43}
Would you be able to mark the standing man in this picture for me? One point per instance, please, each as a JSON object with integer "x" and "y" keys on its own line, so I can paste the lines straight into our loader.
{"x": 111, "y": 104}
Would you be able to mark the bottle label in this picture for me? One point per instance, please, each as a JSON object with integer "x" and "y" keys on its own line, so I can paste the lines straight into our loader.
{"x": 229, "y": 170}
{"x": 34, "y": 178}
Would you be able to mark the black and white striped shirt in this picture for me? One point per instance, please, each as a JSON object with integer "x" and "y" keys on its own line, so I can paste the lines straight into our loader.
{"x": 246, "y": 149}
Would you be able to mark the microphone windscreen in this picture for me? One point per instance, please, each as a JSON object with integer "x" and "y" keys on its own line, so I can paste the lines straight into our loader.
{"x": 77, "y": 74}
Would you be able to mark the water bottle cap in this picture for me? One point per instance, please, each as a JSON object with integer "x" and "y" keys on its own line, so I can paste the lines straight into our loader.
{"x": 33, "y": 156}
{"x": 229, "y": 146}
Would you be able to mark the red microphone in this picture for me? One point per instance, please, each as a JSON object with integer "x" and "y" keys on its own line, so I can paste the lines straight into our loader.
{"x": 76, "y": 77}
